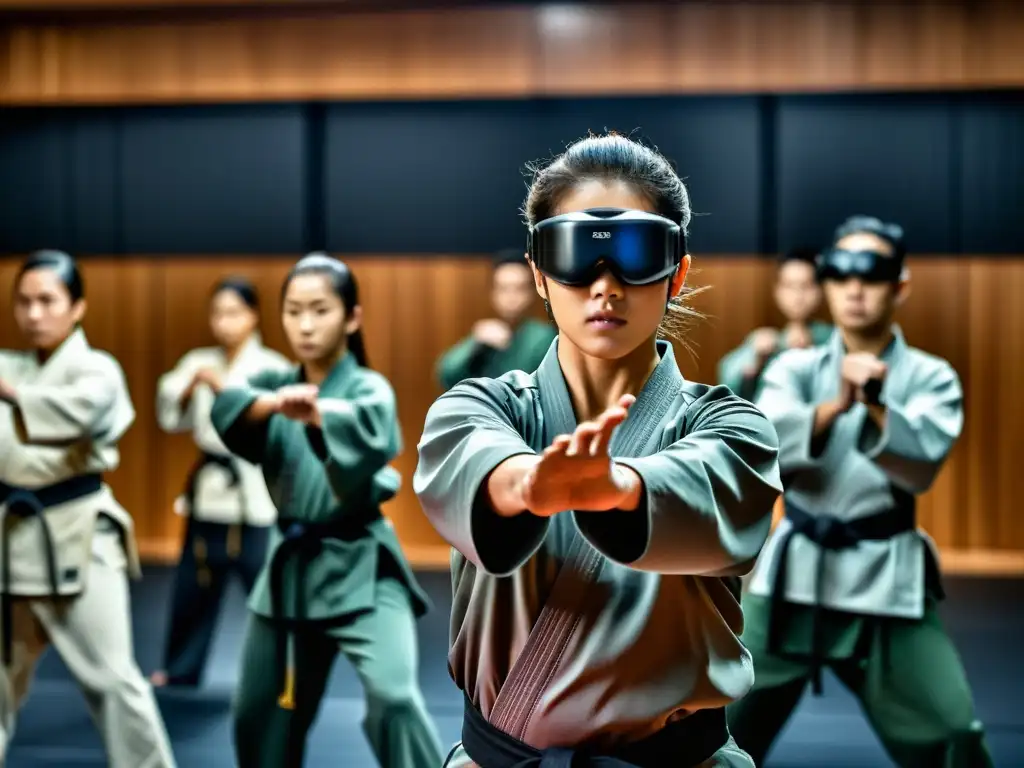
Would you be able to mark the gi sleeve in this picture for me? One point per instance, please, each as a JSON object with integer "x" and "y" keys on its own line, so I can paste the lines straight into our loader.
{"x": 918, "y": 434}
{"x": 469, "y": 431}
{"x": 244, "y": 438}
{"x": 732, "y": 370}
{"x": 169, "y": 389}
{"x": 358, "y": 435}
{"x": 783, "y": 399}
{"x": 460, "y": 362}
{"x": 95, "y": 405}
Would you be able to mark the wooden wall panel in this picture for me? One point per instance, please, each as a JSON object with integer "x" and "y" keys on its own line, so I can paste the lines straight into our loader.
{"x": 150, "y": 311}
{"x": 515, "y": 50}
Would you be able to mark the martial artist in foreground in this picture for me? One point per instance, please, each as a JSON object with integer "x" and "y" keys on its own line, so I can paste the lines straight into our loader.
{"x": 865, "y": 423}
{"x": 225, "y": 498}
{"x": 336, "y": 580}
{"x": 600, "y": 507}
{"x": 67, "y": 545}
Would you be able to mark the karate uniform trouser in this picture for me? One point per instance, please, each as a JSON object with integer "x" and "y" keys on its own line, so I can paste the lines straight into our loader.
{"x": 92, "y": 632}
{"x": 207, "y": 562}
{"x": 906, "y": 674}
{"x": 382, "y": 647}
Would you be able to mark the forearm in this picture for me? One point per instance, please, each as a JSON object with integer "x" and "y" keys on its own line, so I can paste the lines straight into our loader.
{"x": 825, "y": 416}
{"x": 262, "y": 408}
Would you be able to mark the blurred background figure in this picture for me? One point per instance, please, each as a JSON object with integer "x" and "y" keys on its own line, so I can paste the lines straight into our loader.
{"x": 798, "y": 297}
{"x": 509, "y": 341}
{"x": 168, "y": 143}
{"x": 225, "y": 500}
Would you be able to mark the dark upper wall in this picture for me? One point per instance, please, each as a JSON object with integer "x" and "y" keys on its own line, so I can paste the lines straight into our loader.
{"x": 446, "y": 177}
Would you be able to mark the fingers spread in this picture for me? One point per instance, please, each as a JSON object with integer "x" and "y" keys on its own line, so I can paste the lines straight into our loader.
{"x": 609, "y": 421}
{"x": 582, "y": 437}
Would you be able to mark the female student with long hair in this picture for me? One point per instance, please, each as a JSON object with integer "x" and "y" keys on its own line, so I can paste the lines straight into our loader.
{"x": 225, "y": 498}
{"x": 336, "y": 578}
{"x": 67, "y": 546}
{"x": 601, "y": 507}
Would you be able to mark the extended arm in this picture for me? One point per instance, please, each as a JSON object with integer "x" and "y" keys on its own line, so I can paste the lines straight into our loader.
{"x": 910, "y": 441}
{"x": 241, "y": 414}
{"x": 707, "y": 499}
{"x": 471, "y": 459}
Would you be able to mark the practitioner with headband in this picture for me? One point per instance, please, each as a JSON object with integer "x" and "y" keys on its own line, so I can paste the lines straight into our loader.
{"x": 847, "y": 580}
{"x": 600, "y": 506}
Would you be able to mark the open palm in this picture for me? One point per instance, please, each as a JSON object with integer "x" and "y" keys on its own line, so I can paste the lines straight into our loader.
{"x": 576, "y": 471}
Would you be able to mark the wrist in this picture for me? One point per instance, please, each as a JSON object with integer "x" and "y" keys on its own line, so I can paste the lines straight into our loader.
{"x": 505, "y": 485}
{"x": 632, "y": 485}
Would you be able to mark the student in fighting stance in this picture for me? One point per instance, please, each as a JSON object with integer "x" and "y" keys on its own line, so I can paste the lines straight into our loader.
{"x": 67, "y": 546}
{"x": 225, "y": 498}
{"x": 336, "y": 579}
{"x": 847, "y": 580}
{"x": 600, "y": 507}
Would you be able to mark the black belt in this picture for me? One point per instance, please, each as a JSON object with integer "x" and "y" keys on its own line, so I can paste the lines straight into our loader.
{"x": 832, "y": 535}
{"x": 206, "y": 459}
{"x": 233, "y": 544}
{"x": 680, "y": 744}
{"x": 33, "y": 502}
{"x": 305, "y": 540}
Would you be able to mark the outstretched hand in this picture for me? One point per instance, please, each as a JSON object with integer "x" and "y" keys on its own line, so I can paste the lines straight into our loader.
{"x": 576, "y": 471}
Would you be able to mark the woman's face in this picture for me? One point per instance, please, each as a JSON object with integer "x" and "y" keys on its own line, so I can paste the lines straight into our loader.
{"x": 607, "y": 319}
{"x": 232, "y": 321}
{"x": 43, "y": 309}
{"x": 315, "y": 320}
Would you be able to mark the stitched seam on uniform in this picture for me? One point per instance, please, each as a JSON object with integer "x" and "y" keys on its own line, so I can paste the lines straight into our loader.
{"x": 592, "y": 568}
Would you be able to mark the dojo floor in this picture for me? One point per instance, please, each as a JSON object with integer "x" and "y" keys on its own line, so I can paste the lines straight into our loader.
{"x": 985, "y": 616}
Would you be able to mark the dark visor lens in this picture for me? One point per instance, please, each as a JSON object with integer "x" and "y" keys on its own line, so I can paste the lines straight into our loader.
{"x": 638, "y": 248}
{"x": 869, "y": 266}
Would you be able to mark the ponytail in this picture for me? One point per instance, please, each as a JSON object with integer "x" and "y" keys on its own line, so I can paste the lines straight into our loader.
{"x": 357, "y": 347}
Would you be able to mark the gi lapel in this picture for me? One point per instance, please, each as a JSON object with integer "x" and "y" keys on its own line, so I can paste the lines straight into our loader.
{"x": 538, "y": 661}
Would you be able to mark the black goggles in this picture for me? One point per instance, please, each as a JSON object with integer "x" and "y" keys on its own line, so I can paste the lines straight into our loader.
{"x": 869, "y": 266}
{"x": 639, "y": 248}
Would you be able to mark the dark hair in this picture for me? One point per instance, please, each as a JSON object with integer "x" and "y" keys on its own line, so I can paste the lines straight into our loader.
{"x": 869, "y": 225}
{"x": 343, "y": 283}
{"x": 805, "y": 254}
{"x": 510, "y": 256}
{"x": 613, "y": 157}
{"x": 242, "y": 288}
{"x": 61, "y": 264}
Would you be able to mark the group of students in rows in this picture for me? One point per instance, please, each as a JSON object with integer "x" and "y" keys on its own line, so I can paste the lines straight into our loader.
{"x": 601, "y": 508}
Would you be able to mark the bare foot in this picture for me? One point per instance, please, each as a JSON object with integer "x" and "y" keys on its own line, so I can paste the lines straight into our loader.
{"x": 158, "y": 679}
